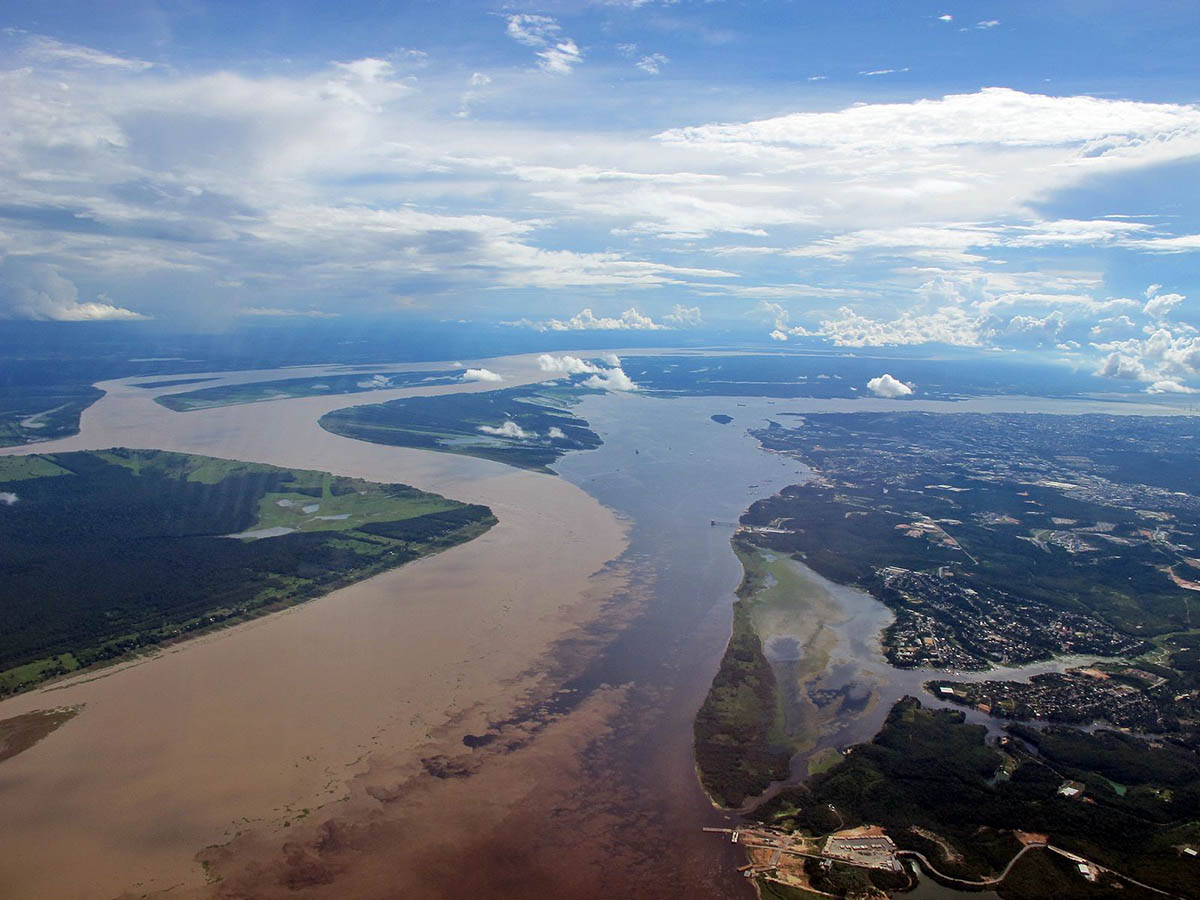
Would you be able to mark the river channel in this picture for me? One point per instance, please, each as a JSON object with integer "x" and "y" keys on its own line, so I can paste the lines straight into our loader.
{"x": 682, "y": 480}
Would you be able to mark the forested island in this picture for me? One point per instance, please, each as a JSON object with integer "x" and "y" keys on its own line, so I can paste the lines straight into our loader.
{"x": 286, "y": 388}
{"x": 526, "y": 427}
{"x": 111, "y": 552}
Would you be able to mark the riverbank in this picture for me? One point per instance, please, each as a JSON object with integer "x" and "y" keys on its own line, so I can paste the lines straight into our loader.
{"x": 300, "y": 717}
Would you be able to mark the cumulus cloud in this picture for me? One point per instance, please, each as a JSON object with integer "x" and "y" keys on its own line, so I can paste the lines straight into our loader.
{"x": 509, "y": 429}
{"x": 684, "y": 317}
{"x": 611, "y": 380}
{"x": 1167, "y": 386}
{"x": 778, "y": 335}
{"x": 887, "y": 386}
{"x": 481, "y": 375}
{"x": 39, "y": 291}
{"x": 1165, "y": 355}
{"x": 8, "y": 498}
{"x": 325, "y": 185}
{"x": 566, "y": 365}
{"x": 586, "y": 320}
{"x": 950, "y": 325}
{"x": 556, "y": 434}
{"x": 1158, "y": 306}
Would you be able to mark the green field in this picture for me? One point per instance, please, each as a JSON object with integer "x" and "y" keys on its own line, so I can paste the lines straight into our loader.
{"x": 283, "y": 389}
{"x": 112, "y": 552}
{"x": 526, "y": 427}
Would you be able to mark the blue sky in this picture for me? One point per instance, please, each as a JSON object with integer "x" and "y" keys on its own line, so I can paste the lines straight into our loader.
{"x": 1004, "y": 176}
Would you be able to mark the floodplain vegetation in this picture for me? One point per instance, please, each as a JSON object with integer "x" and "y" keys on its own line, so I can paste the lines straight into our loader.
{"x": 287, "y": 388}
{"x": 33, "y": 413}
{"x": 526, "y": 427}
{"x": 996, "y": 540}
{"x": 113, "y": 552}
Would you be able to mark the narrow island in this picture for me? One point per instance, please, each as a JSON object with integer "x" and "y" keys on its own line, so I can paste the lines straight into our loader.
{"x": 287, "y": 388}
{"x": 101, "y": 550}
{"x": 525, "y": 427}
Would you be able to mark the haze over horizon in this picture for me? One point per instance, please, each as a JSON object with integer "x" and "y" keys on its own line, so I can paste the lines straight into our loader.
{"x": 1018, "y": 177}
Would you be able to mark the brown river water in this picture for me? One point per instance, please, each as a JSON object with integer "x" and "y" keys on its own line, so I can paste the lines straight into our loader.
{"x": 511, "y": 718}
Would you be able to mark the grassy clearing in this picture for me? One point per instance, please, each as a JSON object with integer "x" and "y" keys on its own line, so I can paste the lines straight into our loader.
{"x": 16, "y": 678}
{"x": 20, "y": 468}
{"x": 304, "y": 512}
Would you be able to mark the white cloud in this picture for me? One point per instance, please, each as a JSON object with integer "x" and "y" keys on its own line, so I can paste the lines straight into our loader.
{"x": 887, "y": 386}
{"x": 946, "y": 18}
{"x": 586, "y": 320}
{"x": 556, "y": 434}
{"x": 653, "y": 63}
{"x": 778, "y": 335}
{"x": 1158, "y": 306}
{"x": 611, "y": 380}
{"x": 950, "y": 325}
{"x": 1169, "y": 387}
{"x": 532, "y": 30}
{"x": 481, "y": 375}
{"x": 1165, "y": 355}
{"x": 684, "y": 317}
{"x": 556, "y": 54}
{"x": 987, "y": 23}
{"x": 874, "y": 72}
{"x": 48, "y": 49}
{"x": 39, "y": 291}
{"x": 566, "y": 365}
{"x": 561, "y": 58}
{"x": 509, "y": 429}
{"x": 8, "y": 498}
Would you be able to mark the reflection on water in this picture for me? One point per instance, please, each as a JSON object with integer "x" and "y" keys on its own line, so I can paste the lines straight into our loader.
{"x": 928, "y": 889}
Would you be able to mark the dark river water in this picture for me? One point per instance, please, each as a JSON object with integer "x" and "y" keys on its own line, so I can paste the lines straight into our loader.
{"x": 682, "y": 481}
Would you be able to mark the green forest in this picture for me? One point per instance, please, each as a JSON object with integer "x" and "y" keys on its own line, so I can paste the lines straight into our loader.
{"x": 526, "y": 427}
{"x": 930, "y": 769}
{"x": 112, "y": 552}
{"x": 282, "y": 389}
{"x": 31, "y": 413}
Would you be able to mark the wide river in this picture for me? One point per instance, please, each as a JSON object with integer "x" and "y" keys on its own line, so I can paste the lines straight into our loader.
{"x": 511, "y": 718}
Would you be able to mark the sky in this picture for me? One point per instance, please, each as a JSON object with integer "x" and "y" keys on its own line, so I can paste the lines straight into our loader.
{"x": 1005, "y": 176}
